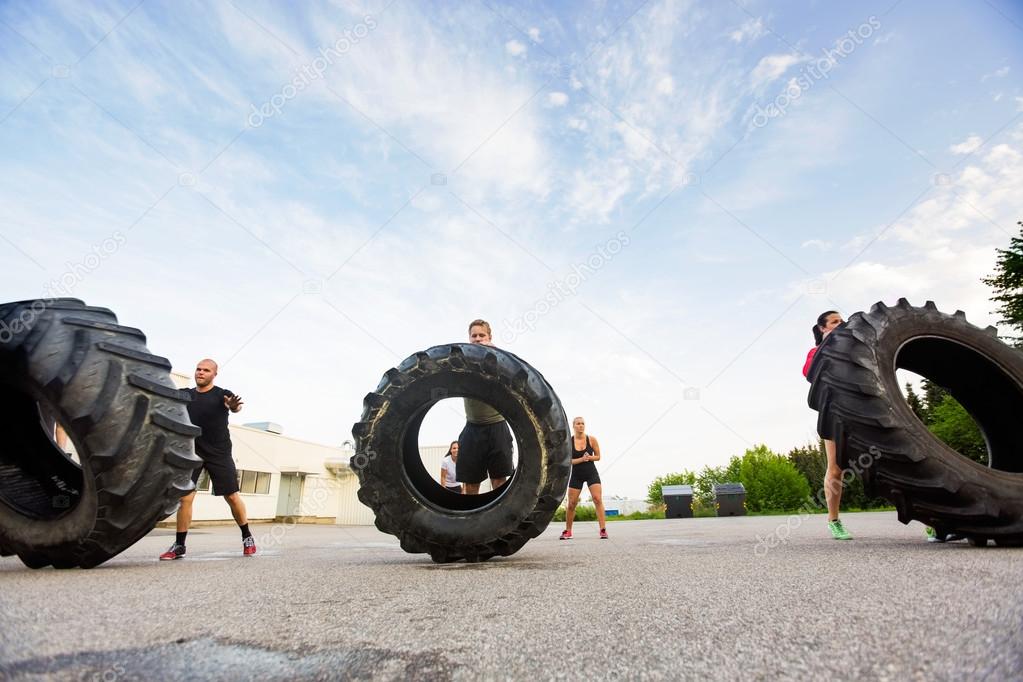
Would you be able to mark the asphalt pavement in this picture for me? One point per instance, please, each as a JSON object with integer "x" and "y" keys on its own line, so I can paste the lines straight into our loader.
{"x": 749, "y": 597}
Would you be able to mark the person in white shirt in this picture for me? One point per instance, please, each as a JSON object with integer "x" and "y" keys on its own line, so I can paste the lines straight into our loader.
{"x": 448, "y": 468}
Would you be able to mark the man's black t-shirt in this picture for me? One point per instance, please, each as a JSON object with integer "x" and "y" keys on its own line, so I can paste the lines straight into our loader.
{"x": 208, "y": 412}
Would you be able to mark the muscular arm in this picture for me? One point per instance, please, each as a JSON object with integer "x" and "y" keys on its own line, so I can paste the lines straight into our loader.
{"x": 443, "y": 478}
{"x": 596, "y": 449}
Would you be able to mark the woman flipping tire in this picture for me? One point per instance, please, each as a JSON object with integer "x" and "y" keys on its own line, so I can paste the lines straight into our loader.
{"x": 123, "y": 414}
{"x": 857, "y": 394}
{"x": 827, "y": 322}
{"x": 409, "y": 503}
{"x": 585, "y": 451}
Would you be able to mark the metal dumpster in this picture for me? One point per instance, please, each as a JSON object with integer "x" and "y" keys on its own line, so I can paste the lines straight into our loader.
{"x": 730, "y": 499}
{"x": 678, "y": 500}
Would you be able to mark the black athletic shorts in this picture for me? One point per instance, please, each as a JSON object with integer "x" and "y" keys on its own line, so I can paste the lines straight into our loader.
{"x": 221, "y": 468}
{"x": 454, "y": 488}
{"x": 590, "y": 477}
{"x": 484, "y": 450}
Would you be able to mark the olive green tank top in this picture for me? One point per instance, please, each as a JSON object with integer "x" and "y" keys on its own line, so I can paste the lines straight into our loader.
{"x": 477, "y": 412}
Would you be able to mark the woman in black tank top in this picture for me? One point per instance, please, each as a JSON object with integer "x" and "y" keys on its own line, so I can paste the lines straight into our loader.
{"x": 585, "y": 451}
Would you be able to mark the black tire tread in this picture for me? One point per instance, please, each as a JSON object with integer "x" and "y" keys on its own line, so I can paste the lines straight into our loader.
{"x": 925, "y": 480}
{"x": 134, "y": 436}
{"x": 546, "y": 408}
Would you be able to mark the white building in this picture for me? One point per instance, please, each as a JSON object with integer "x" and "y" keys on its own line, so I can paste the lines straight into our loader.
{"x": 283, "y": 477}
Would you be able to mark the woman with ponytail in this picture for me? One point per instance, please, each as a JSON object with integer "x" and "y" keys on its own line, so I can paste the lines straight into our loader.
{"x": 826, "y": 323}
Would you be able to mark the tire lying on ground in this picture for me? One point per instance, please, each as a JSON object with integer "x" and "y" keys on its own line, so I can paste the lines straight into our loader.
{"x": 860, "y": 404}
{"x": 128, "y": 423}
{"x": 410, "y": 504}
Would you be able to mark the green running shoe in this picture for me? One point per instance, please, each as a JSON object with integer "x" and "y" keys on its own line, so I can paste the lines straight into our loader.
{"x": 931, "y": 535}
{"x": 838, "y": 531}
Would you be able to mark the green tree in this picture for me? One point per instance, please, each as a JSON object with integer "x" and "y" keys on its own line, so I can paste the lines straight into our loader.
{"x": 703, "y": 489}
{"x": 933, "y": 395}
{"x": 948, "y": 420}
{"x": 915, "y": 403}
{"x": 1007, "y": 281}
{"x": 654, "y": 491}
{"x": 954, "y": 426}
{"x": 811, "y": 461}
{"x": 771, "y": 481}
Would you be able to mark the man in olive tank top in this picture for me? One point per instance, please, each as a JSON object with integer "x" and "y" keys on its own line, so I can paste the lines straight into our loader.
{"x": 485, "y": 444}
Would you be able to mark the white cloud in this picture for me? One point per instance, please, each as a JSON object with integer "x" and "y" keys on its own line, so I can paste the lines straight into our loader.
{"x": 772, "y": 67}
{"x": 886, "y": 38}
{"x": 967, "y": 146}
{"x": 751, "y": 30}
{"x": 421, "y": 87}
{"x": 557, "y": 99}
{"x": 595, "y": 192}
{"x": 817, "y": 244}
{"x": 978, "y": 205}
{"x": 578, "y": 124}
{"x": 534, "y": 34}
{"x": 666, "y": 85}
{"x": 515, "y": 48}
{"x": 999, "y": 73}
{"x": 1019, "y": 104}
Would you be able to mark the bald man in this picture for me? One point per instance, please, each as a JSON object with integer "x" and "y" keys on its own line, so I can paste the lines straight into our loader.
{"x": 208, "y": 410}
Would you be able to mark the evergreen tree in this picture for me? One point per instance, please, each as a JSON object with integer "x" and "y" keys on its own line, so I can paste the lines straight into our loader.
{"x": 933, "y": 396}
{"x": 1007, "y": 281}
{"x": 915, "y": 403}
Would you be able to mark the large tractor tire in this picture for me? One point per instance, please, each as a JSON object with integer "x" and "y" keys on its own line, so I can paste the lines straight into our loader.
{"x": 62, "y": 360}
{"x": 410, "y": 504}
{"x": 861, "y": 408}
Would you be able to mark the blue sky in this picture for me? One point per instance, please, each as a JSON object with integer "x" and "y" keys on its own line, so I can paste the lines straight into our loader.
{"x": 310, "y": 194}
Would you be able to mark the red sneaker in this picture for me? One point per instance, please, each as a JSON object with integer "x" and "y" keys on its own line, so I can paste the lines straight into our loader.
{"x": 249, "y": 546}
{"x": 176, "y": 551}
{"x": 566, "y": 535}
{"x": 603, "y": 534}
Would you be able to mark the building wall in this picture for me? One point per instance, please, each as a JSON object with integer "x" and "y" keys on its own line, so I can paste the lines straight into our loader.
{"x": 280, "y": 456}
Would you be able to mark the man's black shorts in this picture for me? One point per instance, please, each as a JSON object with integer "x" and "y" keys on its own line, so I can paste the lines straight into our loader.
{"x": 590, "y": 478}
{"x": 484, "y": 450}
{"x": 221, "y": 469}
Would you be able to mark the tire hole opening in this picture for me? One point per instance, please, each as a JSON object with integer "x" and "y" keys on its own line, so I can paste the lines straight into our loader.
{"x": 964, "y": 399}
{"x": 483, "y": 453}
{"x": 40, "y": 472}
